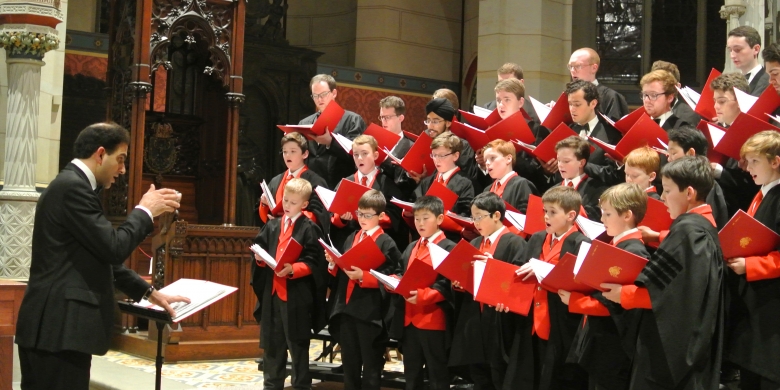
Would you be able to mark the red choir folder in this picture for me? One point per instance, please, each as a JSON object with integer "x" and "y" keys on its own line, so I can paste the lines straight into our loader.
{"x": 744, "y": 236}
{"x": 605, "y": 263}
{"x": 496, "y": 282}
{"x": 744, "y": 127}
{"x": 418, "y": 156}
{"x": 446, "y": 195}
{"x": 385, "y": 139}
{"x": 706, "y": 105}
{"x": 289, "y": 254}
{"x": 534, "y": 216}
{"x": 545, "y": 151}
{"x": 480, "y": 122}
{"x": 366, "y": 255}
{"x": 411, "y": 135}
{"x": 657, "y": 216}
{"x": 464, "y": 222}
{"x": 327, "y": 121}
{"x": 420, "y": 274}
{"x": 275, "y": 208}
{"x": 625, "y": 123}
{"x": 562, "y": 277}
{"x": 767, "y": 103}
{"x": 513, "y": 127}
{"x": 345, "y": 199}
{"x": 712, "y": 154}
{"x": 456, "y": 265}
{"x": 558, "y": 114}
{"x": 645, "y": 132}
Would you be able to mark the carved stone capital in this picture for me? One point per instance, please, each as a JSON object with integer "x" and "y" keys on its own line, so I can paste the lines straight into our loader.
{"x": 140, "y": 89}
{"x": 235, "y": 99}
{"x": 735, "y": 10}
{"x": 28, "y": 40}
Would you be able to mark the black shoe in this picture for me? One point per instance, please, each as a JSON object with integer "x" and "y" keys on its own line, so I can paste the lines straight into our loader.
{"x": 337, "y": 370}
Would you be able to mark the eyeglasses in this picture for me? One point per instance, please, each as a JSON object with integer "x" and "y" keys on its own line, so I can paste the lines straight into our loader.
{"x": 441, "y": 156}
{"x": 433, "y": 121}
{"x": 360, "y": 155}
{"x": 383, "y": 118}
{"x": 481, "y": 217}
{"x": 316, "y": 96}
{"x": 575, "y": 67}
{"x": 723, "y": 101}
{"x": 364, "y": 215}
{"x": 652, "y": 96}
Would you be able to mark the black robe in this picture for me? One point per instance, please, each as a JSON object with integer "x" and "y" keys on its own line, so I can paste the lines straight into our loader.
{"x": 398, "y": 174}
{"x": 599, "y": 165}
{"x": 483, "y": 337}
{"x": 516, "y": 192}
{"x": 682, "y": 110}
{"x": 332, "y": 163}
{"x": 366, "y": 304}
{"x": 527, "y": 165}
{"x": 306, "y": 295}
{"x": 753, "y": 340}
{"x": 680, "y": 340}
{"x": 590, "y": 190}
{"x": 468, "y": 165}
{"x": 673, "y": 123}
{"x": 458, "y": 183}
{"x": 563, "y": 326}
{"x": 598, "y": 345}
{"x": 611, "y": 103}
{"x": 315, "y": 203}
{"x": 759, "y": 83}
{"x": 738, "y": 186}
{"x": 717, "y": 201}
{"x": 398, "y": 303}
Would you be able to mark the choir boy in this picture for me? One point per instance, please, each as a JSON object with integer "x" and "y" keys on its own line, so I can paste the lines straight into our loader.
{"x": 499, "y": 156}
{"x": 364, "y": 154}
{"x": 538, "y": 358}
{"x": 642, "y": 166}
{"x": 295, "y": 150}
{"x": 420, "y": 323}
{"x": 658, "y": 93}
{"x": 291, "y": 302}
{"x": 510, "y": 70}
{"x": 391, "y": 116}
{"x": 743, "y": 45}
{"x": 573, "y": 153}
{"x": 329, "y": 160}
{"x": 483, "y": 337}
{"x": 599, "y": 349}
{"x": 752, "y": 342}
{"x": 680, "y": 335}
{"x": 355, "y": 304}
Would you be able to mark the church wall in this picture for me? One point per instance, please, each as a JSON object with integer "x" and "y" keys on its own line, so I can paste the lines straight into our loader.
{"x": 324, "y": 25}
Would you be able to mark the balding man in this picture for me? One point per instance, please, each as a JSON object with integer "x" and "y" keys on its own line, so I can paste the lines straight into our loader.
{"x": 583, "y": 65}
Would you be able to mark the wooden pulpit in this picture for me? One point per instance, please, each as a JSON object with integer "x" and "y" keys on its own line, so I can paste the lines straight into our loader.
{"x": 11, "y": 294}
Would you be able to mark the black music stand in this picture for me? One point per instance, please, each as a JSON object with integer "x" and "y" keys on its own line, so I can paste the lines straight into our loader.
{"x": 162, "y": 318}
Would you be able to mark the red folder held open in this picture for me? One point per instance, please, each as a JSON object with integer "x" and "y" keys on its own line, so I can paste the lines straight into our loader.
{"x": 287, "y": 255}
{"x": 562, "y": 277}
{"x": 744, "y": 127}
{"x": 418, "y": 156}
{"x": 446, "y": 195}
{"x": 534, "y": 216}
{"x": 420, "y": 274}
{"x": 327, "y": 121}
{"x": 384, "y": 139}
{"x": 657, "y": 216}
{"x": 513, "y": 127}
{"x": 706, "y": 128}
{"x": 480, "y": 122}
{"x": 456, "y": 266}
{"x": 625, "y": 123}
{"x": 365, "y": 255}
{"x": 645, "y": 132}
{"x": 496, "y": 282}
{"x": 767, "y": 103}
{"x": 345, "y": 199}
{"x": 605, "y": 263}
{"x": 559, "y": 113}
{"x": 545, "y": 151}
{"x": 706, "y": 105}
{"x": 744, "y": 236}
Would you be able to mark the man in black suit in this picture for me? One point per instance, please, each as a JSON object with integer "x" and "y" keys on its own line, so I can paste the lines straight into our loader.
{"x": 583, "y": 65}
{"x": 658, "y": 93}
{"x": 510, "y": 70}
{"x": 330, "y": 161}
{"x": 743, "y": 45}
{"x": 67, "y": 312}
{"x": 680, "y": 108}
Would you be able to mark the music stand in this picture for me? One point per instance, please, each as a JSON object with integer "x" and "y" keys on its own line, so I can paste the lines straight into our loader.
{"x": 162, "y": 318}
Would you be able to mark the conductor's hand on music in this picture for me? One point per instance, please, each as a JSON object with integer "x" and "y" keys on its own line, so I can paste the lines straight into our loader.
{"x": 164, "y": 300}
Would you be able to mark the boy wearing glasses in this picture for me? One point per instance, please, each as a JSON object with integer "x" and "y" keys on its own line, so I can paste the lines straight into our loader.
{"x": 391, "y": 116}
{"x": 355, "y": 304}
{"x": 364, "y": 154}
{"x": 658, "y": 93}
{"x": 420, "y": 323}
{"x": 499, "y": 158}
{"x": 540, "y": 355}
{"x": 483, "y": 337}
{"x": 295, "y": 150}
{"x": 290, "y": 302}
{"x": 329, "y": 161}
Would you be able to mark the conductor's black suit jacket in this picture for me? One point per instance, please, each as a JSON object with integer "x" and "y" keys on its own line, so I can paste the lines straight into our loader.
{"x": 77, "y": 260}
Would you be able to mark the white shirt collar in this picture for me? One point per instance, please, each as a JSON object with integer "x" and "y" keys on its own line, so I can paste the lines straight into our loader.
{"x": 493, "y": 237}
{"x": 295, "y": 217}
{"x": 433, "y": 236}
{"x": 625, "y": 233}
{"x": 592, "y": 124}
{"x": 753, "y": 72}
{"x": 701, "y": 205}
{"x": 595, "y": 82}
{"x": 557, "y": 237}
{"x": 506, "y": 177}
{"x": 295, "y": 172}
{"x": 372, "y": 230}
{"x": 663, "y": 117}
{"x": 91, "y": 176}
{"x": 768, "y": 186}
{"x": 369, "y": 177}
{"x": 446, "y": 175}
{"x": 575, "y": 182}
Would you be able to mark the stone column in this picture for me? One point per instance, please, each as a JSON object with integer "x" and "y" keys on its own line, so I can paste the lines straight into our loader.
{"x": 25, "y": 46}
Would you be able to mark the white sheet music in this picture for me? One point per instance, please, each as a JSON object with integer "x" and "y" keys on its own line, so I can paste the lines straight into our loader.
{"x": 542, "y": 110}
{"x": 459, "y": 217}
{"x": 584, "y": 248}
{"x": 267, "y": 258}
{"x": 481, "y": 111}
{"x": 438, "y": 254}
{"x": 541, "y": 268}
{"x": 401, "y": 202}
{"x": 479, "y": 270}
{"x": 271, "y": 198}
{"x": 345, "y": 142}
{"x": 516, "y": 219}
{"x": 330, "y": 246}
{"x": 387, "y": 280}
{"x": 201, "y": 293}
{"x": 745, "y": 100}
{"x": 591, "y": 229}
{"x": 325, "y": 195}
{"x": 716, "y": 134}
{"x": 690, "y": 96}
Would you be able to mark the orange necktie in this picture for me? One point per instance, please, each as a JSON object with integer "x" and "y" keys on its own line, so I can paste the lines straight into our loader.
{"x": 364, "y": 182}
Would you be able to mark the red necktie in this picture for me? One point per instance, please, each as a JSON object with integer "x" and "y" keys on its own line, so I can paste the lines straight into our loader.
{"x": 496, "y": 186}
{"x": 362, "y": 236}
{"x": 364, "y": 181}
{"x": 485, "y": 246}
{"x": 287, "y": 225}
{"x": 755, "y": 203}
{"x": 571, "y": 184}
{"x": 554, "y": 241}
{"x": 441, "y": 178}
{"x": 351, "y": 283}
{"x": 422, "y": 250}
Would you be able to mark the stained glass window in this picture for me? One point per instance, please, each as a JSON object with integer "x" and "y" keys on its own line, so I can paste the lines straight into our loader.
{"x": 619, "y": 40}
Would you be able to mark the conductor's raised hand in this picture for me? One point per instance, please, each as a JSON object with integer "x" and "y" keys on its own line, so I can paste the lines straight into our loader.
{"x": 160, "y": 201}
{"x": 164, "y": 300}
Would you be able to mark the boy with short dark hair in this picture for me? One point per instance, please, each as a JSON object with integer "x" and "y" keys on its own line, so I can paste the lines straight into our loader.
{"x": 680, "y": 335}
{"x": 752, "y": 342}
{"x": 355, "y": 304}
{"x": 291, "y": 302}
{"x": 573, "y": 153}
{"x": 641, "y": 167}
{"x": 420, "y": 323}
{"x": 540, "y": 355}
